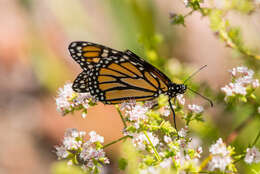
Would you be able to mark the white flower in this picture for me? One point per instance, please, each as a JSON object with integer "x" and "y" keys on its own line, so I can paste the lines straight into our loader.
{"x": 61, "y": 152}
{"x": 255, "y": 83}
{"x": 218, "y": 162}
{"x": 243, "y": 77}
{"x": 228, "y": 89}
{"x": 258, "y": 109}
{"x": 128, "y": 105}
{"x": 67, "y": 99}
{"x": 71, "y": 143}
{"x": 241, "y": 71}
{"x": 220, "y": 156}
{"x": 166, "y": 163}
{"x": 94, "y": 137}
{"x": 64, "y": 95}
{"x": 252, "y": 155}
{"x": 89, "y": 153}
{"x": 165, "y": 111}
{"x": 183, "y": 132}
{"x": 195, "y": 108}
{"x": 137, "y": 113}
{"x": 181, "y": 99}
{"x": 140, "y": 140}
{"x": 186, "y": 2}
{"x": 199, "y": 151}
{"x": 167, "y": 139}
{"x": 150, "y": 170}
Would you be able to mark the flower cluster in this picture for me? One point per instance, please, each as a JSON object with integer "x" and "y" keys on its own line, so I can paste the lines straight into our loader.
{"x": 221, "y": 156}
{"x": 252, "y": 155}
{"x": 242, "y": 83}
{"x": 88, "y": 154}
{"x": 195, "y": 113}
{"x": 156, "y": 139}
{"x": 195, "y": 108}
{"x": 68, "y": 101}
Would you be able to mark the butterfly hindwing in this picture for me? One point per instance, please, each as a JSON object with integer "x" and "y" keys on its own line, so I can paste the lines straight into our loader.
{"x": 80, "y": 84}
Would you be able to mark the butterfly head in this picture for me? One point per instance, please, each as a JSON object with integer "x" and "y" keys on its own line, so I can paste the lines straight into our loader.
{"x": 176, "y": 89}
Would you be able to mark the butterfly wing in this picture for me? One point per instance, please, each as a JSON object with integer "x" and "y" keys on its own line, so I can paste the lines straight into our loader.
{"x": 164, "y": 80}
{"x": 89, "y": 54}
{"x": 121, "y": 77}
{"x": 113, "y": 76}
{"x": 80, "y": 84}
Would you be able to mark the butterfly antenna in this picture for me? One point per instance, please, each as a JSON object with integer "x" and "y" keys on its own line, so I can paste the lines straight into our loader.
{"x": 193, "y": 74}
{"x": 211, "y": 103}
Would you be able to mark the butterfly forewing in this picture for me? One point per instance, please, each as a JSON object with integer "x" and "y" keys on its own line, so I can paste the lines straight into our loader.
{"x": 89, "y": 54}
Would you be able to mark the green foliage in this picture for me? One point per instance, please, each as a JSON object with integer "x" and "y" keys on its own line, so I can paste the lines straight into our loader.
{"x": 177, "y": 19}
{"x": 122, "y": 163}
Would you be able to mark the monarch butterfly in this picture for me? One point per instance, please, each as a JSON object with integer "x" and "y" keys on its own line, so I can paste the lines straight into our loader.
{"x": 113, "y": 76}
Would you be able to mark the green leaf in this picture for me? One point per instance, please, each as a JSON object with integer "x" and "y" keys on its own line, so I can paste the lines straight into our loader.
{"x": 122, "y": 163}
{"x": 177, "y": 19}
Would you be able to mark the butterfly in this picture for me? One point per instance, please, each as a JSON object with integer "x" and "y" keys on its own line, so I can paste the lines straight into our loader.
{"x": 113, "y": 76}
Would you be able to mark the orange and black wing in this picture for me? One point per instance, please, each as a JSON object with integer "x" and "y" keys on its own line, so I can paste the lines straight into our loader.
{"x": 118, "y": 77}
{"x": 89, "y": 54}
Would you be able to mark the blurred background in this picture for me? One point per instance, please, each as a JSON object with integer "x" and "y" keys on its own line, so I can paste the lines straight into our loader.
{"x": 35, "y": 62}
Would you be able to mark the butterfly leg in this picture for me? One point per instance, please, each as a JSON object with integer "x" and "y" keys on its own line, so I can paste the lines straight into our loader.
{"x": 173, "y": 113}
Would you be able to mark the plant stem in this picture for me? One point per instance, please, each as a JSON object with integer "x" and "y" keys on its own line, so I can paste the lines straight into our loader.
{"x": 121, "y": 116}
{"x": 155, "y": 151}
{"x": 190, "y": 13}
{"x": 232, "y": 136}
{"x": 205, "y": 162}
{"x": 113, "y": 142}
{"x": 256, "y": 139}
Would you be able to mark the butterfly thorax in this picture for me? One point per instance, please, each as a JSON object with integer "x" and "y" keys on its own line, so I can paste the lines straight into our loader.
{"x": 176, "y": 89}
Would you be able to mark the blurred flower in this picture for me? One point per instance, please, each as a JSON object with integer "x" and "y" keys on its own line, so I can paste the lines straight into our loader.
{"x": 165, "y": 111}
{"x": 183, "y": 132}
{"x": 137, "y": 113}
{"x": 167, "y": 139}
{"x": 88, "y": 154}
{"x": 61, "y": 152}
{"x": 68, "y": 100}
{"x": 242, "y": 79}
{"x": 199, "y": 151}
{"x": 242, "y": 71}
{"x": 166, "y": 163}
{"x": 186, "y": 2}
{"x": 221, "y": 156}
{"x": 128, "y": 105}
{"x": 258, "y": 109}
{"x": 195, "y": 108}
{"x": 234, "y": 88}
{"x": 181, "y": 99}
{"x": 140, "y": 140}
{"x": 252, "y": 155}
{"x": 255, "y": 83}
{"x": 94, "y": 137}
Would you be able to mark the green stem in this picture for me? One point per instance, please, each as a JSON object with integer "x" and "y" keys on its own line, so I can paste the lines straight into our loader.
{"x": 155, "y": 151}
{"x": 256, "y": 139}
{"x": 121, "y": 116}
{"x": 188, "y": 14}
{"x": 113, "y": 142}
